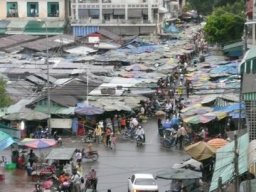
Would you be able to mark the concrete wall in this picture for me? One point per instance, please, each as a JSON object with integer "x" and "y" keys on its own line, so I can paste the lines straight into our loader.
{"x": 22, "y": 8}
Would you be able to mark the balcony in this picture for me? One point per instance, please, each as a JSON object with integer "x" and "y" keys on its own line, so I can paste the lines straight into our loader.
{"x": 113, "y": 22}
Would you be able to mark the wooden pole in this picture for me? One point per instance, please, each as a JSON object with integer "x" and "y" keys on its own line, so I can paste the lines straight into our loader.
{"x": 236, "y": 164}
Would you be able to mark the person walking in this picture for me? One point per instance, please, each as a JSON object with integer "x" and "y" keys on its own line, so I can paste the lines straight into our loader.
{"x": 181, "y": 133}
{"x": 98, "y": 133}
{"x": 76, "y": 181}
{"x": 107, "y": 135}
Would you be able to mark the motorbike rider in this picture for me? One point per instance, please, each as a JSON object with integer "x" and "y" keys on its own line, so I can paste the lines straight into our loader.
{"x": 140, "y": 133}
{"x": 91, "y": 179}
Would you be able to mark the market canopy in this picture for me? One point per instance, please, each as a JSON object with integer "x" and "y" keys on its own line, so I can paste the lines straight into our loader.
{"x": 200, "y": 151}
{"x": 5, "y": 140}
{"x": 26, "y": 114}
{"x": 87, "y": 109}
{"x": 248, "y": 64}
{"x": 172, "y": 173}
{"x": 224, "y": 166}
{"x": 61, "y": 154}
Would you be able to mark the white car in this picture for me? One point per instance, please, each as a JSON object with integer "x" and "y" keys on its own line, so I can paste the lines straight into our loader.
{"x": 142, "y": 182}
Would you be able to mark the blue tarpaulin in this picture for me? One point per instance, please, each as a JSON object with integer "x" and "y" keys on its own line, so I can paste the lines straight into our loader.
{"x": 230, "y": 68}
{"x": 171, "y": 29}
{"x": 229, "y": 108}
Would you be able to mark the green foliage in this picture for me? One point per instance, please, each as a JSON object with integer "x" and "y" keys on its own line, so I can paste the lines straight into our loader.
{"x": 4, "y": 98}
{"x": 203, "y": 7}
{"x": 224, "y": 26}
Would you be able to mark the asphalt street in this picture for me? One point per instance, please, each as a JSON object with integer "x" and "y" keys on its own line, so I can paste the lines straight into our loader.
{"x": 114, "y": 166}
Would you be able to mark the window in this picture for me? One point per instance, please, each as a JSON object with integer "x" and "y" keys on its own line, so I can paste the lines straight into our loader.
{"x": 32, "y": 9}
{"x": 118, "y": 17}
{"x": 107, "y": 17}
{"x": 53, "y": 9}
{"x": 12, "y": 9}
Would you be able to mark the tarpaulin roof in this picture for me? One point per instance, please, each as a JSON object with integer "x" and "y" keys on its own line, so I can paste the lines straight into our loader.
{"x": 61, "y": 154}
{"x": 224, "y": 166}
{"x": 229, "y": 108}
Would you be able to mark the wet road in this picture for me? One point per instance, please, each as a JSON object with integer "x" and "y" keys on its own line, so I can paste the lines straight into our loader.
{"x": 113, "y": 166}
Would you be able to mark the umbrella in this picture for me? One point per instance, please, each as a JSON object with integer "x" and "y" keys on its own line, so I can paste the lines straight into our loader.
{"x": 5, "y": 140}
{"x": 196, "y": 119}
{"x": 191, "y": 163}
{"x": 38, "y": 143}
{"x": 200, "y": 150}
{"x": 160, "y": 113}
{"x": 217, "y": 142}
{"x": 172, "y": 173}
{"x": 87, "y": 109}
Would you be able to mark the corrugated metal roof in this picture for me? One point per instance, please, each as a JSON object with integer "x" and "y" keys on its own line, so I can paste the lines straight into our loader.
{"x": 224, "y": 166}
{"x": 109, "y": 34}
{"x": 35, "y": 80}
{"x": 50, "y": 42}
{"x": 14, "y": 40}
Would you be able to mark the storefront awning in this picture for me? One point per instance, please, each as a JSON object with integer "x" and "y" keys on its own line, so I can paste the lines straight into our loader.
{"x": 16, "y": 26}
{"x": 94, "y": 12}
{"x": 44, "y": 27}
{"x": 248, "y": 64}
{"x": 107, "y": 11}
{"x": 119, "y": 12}
{"x": 135, "y": 13}
{"x": 145, "y": 11}
{"x": 3, "y": 26}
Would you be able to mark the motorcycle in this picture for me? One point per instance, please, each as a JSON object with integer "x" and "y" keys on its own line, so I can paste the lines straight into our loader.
{"x": 38, "y": 187}
{"x": 92, "y": 155}
{"x": 169, "y": 137}
{"x": 89, "y": 138}
{"x": 140, "y": 140}
{"x": 91, "y": 184}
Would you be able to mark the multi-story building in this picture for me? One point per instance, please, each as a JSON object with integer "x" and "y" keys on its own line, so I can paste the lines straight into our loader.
{"x": 123, "y": 17}
{"x": 250, "y": 34}
{"x": 32, "y": 17}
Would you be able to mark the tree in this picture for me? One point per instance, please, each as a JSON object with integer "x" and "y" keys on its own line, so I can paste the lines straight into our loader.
{"x": 223, "y": 26}
{"x": 203, "y": 7}
{"x": 5, "y": 100}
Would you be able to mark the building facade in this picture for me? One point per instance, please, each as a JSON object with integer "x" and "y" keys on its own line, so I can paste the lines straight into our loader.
{"x": 250, "y": 32}
{"x": 32, "y": 17}
{"x": 123, "y": 17}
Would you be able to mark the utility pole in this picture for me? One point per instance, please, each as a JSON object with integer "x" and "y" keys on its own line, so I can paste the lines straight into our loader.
{"x": 220, "y": 184}
{"x": 236, "y": 163}
{"x": 48, "y": 82}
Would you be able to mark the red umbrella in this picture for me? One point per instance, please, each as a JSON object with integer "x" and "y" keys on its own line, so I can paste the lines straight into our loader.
{"x": 38, "y": 143}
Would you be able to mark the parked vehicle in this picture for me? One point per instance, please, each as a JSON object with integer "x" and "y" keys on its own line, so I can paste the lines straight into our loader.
{"x": 142, "y": 182}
